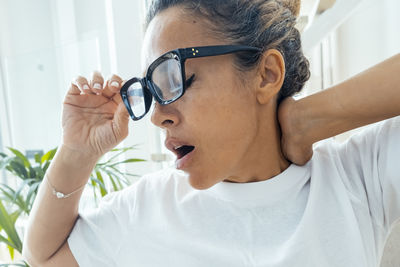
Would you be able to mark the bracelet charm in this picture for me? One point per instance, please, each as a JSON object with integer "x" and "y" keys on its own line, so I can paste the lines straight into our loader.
{"x": 60, "y": 195}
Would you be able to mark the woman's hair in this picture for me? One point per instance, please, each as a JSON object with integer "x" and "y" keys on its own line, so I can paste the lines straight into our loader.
{"x": 267, "y": 24}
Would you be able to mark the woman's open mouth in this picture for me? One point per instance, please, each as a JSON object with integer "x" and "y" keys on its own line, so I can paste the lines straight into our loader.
{"x": 184, "y": 154}
{"x": 183, "y": 151}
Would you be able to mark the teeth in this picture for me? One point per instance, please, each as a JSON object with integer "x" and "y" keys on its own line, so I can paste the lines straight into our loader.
{"x": 177, "y": 147}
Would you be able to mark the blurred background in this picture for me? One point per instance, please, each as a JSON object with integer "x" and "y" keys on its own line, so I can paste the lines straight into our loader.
{"x": 44, "y": 44}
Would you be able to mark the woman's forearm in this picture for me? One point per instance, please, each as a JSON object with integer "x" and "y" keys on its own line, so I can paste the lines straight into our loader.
{"x": 371, "y": 96}
{"x": 51, "y": 219}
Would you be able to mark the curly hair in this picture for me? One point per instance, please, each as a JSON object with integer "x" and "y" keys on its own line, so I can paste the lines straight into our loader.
{"x": 267, "y": 24}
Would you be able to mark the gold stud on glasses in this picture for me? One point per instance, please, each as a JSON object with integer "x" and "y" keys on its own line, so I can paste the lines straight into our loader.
{"x": 195, "y": 52}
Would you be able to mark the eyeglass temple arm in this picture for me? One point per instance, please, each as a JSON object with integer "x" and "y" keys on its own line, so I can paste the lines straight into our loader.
{"x": 206, "y": 51}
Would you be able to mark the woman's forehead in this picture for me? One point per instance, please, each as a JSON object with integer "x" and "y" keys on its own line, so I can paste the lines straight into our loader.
{"x": 172, "y": 29}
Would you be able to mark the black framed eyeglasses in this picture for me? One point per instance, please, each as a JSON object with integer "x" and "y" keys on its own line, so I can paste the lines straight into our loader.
{"x": 166, "y": 79}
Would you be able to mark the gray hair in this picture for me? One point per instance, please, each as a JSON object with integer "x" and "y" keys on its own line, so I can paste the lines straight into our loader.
{"x": 267, "y": 24}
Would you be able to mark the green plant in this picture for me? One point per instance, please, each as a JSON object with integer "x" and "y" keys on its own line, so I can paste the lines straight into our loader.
{"x": 106, "y": 177}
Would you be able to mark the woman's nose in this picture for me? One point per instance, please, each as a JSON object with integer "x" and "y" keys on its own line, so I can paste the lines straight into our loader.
{"x": 164, "y": 116}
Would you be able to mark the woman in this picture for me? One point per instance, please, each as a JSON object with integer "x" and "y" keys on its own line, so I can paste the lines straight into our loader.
{"x": 236, "y": 199}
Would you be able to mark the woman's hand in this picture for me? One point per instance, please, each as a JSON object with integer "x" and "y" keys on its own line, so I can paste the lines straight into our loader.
{"x": 371, "y": 96}
{"x": 294, "y": 141}
{"x": 94, "y": 119}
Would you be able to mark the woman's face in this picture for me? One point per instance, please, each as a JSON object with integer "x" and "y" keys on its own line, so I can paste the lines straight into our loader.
{"x": 217, "y": 114}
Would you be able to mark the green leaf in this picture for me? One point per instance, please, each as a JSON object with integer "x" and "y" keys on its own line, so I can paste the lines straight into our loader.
{"x": 127, "y": 161}
{"x": 30, "y": 197}
{"x": 125, "y": 148}
{"x": 17, "y": 168}
{"x": 21, "y": 156}
{"x": 121, "y": 151}
{"x": 121, "y": 176}
{"x": 49, "y": 155}
{"x": 119, "y": 181}
{"x": 114, "y": 185}
{"x": 103, "y": 190}
{"x": 94, "y": 185}
{"x": 7, "y": 193}
{"x": 5, "y": 241}
{"x": 5, "y": 162}
{"x": 98, "y": 183}
{"x": 32, "y": 172}
{"x": 14, "y": 264}
{"x": 18, "y": 197}
{"x": 14, "y": 216}
{"x": 39, "y": 173}
{"x": 11, "y": 251}
{"x": 46, "y": 165}
{"x": 7, "y": 222}
{"x": 38, "y": 158}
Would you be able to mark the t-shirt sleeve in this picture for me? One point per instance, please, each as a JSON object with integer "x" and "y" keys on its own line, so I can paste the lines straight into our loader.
{"x": 371, "y": 160}
{"x": 96, "y": 236}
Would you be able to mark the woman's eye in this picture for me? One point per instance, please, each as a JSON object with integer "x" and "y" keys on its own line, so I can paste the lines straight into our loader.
{"x": 189, "y": 81}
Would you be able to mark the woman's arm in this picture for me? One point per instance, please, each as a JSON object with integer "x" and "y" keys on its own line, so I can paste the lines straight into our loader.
{"x": 52, "y": 219}
{"x": 94, "y": 121}
{"x": 371, "y": 96}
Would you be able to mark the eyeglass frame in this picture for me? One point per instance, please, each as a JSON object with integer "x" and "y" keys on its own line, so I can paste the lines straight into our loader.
{"x": 182, "y": 54}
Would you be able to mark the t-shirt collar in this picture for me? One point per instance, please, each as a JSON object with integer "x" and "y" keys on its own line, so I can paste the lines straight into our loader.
{"x": 285, "y": 184}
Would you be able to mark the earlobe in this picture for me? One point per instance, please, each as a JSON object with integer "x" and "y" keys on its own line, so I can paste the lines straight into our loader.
{"x": 271, "y": 75}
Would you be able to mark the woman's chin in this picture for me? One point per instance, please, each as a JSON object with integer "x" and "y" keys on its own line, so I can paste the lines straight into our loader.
{"x": 201, "y": 182}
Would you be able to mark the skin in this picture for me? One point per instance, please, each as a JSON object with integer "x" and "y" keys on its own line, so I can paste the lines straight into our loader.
{"x": 366, "y": 98}
{"x": 95, "y": 120}
{"x": 232, "y": 124}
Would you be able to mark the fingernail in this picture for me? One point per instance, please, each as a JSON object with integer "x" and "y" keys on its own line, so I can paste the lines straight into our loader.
{"x": 97, "y": 86}
{"x": 115, "y": 84}
{"x": 86, "y": 87}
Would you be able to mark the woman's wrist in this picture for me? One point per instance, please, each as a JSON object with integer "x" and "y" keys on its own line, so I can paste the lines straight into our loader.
{"x": 318, "y": 118}
{"x": 296, "y": 143}
{"x": 70, "y": 169}
{"x": 76, "y": 158}
{"x": 302, "y": 125}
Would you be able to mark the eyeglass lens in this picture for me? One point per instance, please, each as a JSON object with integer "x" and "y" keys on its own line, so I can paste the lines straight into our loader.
{"x": 167, "y": 80}
{"x": 136, "y": 99}
{"x": 167, "y": 84}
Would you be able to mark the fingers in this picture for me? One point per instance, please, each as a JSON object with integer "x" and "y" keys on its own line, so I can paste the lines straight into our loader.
{"x": 96, "y": 84}
{"x": 83, "y": 85}
{"x": 113, "y": 86}
{"x": 73, "y": 90}
{"x": 94, "y": 87}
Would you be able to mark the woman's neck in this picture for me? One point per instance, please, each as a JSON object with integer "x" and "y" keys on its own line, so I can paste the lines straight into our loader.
{"x": 264, "y": 158}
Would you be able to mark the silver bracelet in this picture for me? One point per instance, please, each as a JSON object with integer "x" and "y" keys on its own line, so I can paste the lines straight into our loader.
{"x": 60, "y": 194}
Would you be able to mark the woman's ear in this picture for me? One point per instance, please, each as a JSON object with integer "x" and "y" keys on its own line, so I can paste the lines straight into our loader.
{"x": 271, "y": 74}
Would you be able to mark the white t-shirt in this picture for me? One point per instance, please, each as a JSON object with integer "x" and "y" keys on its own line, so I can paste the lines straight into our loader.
{"x": 336, "y": 210}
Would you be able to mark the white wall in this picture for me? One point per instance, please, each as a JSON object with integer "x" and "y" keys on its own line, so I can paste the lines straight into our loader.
{"x": 28, "y": 64}
{"x": 369, "y": 36}
{"x": 44, "y": 44}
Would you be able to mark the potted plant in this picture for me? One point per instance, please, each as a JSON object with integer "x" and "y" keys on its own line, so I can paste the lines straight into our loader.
{"x": 16, "y": 203}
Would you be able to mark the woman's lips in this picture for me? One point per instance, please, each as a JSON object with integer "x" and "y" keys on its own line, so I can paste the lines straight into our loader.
{"x": 183, "y": 162}
{"x": 182, "y": 149}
